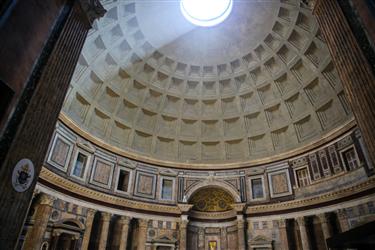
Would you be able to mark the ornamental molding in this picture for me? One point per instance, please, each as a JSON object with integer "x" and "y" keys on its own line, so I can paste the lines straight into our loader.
{"x": 282, "y": 207}
{"x": 100, "y": 197}
{"x": 316, "y": 200}
{"x": 93, "y": 9}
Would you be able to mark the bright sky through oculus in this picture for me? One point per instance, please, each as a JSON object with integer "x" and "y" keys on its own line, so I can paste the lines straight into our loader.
{"x": 206, "y": 12}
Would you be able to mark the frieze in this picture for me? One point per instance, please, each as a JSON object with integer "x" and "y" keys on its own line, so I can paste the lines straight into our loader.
{"x": 70, "y": 186}
{"x": 345, "y": 192}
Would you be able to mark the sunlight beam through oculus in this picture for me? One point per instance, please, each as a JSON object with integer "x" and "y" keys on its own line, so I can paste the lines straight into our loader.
{"x": 206, "y": 12}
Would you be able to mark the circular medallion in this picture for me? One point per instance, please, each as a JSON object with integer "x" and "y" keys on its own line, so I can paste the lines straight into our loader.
{"x": 23, "y": 175}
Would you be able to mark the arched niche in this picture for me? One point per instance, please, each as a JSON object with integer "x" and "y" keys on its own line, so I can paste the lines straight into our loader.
{"x": 213, "y": 184}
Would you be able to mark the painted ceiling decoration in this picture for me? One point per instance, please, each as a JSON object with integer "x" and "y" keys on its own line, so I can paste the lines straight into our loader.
{"x": 211, "y": 200}
{"x": 260, "y": 83}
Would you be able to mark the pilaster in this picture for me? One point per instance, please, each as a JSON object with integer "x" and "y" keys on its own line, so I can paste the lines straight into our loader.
{"x": 142, "y": 234}
{"x": 88, "y": 228}
{"x": 303, "y": 233}
{"x": 124, "y": 224}
{"x": 34, "y": 236}
{"x": 104, "y": 226}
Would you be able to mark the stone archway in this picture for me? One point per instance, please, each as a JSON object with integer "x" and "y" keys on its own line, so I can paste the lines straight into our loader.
{"x": 213, "y": 219}
{"x": 215, "y": 184}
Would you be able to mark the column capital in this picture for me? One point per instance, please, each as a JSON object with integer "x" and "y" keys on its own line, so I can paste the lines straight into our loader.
{"x": 282, "y": 223}
{"x": 323, "y": 217}
{"x": 46, "y": 199}
{"x": 143, "y": 223}
{"x": 105, "y": 216}
{"x": 184, "y": 208}
{"x": 90, "y": 212}
{"x": 301, "y": 221}
{"x": 93, "y": 9}
{"x": 125, "y": 219}
{"x": 183, "y": 223}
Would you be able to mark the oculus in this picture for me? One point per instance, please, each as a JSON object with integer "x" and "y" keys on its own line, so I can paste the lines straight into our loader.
{"x": 206, "y": 12}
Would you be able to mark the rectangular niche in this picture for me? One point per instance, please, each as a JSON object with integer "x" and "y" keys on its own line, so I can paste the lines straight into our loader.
{"x": 124, "y": 179}
{"x": 211, "y": 150}
{"x": 99, "y": 122}
{"x": 102, "y": 173}
{"x": 279, "y": 183}
{"x": 305, "y": 128}
{"x": 234, "y": 149}
{"x": 272, "y": 42}
{"x": 60, "y": 152}
{"x": 188, "y": 150}
{"x": 165, "y": 147}
{"x": 120, "y": 133}
{"x": 167, "y": 188}
{"x": 211, "y": 129}
{"x": 258, "y": 145}
{"x": 145, "y": 185}
{"x": 233, "y": 127}
{"x": 257, "y": 188}
{"x": 189, "y": 128}
{"x": 142, "y": 141}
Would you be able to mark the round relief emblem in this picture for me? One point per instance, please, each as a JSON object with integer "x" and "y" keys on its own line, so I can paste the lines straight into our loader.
{"x": 23, "y": 175}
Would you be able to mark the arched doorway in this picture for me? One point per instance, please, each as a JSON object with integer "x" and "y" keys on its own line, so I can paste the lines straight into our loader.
{"x": 212, "y": 219}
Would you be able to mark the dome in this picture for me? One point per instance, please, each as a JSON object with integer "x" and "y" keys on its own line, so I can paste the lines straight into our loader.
{"x": 152, "y": 86}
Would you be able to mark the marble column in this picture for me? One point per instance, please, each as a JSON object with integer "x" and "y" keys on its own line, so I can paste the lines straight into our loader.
{"x": 34, "y": 236}
{"x": 201, "y": 239}
{"x": 284, "y": 244}
{"x": 124, "y": 224}
{"x": 88, "y": 228}
{"x": 104, "y": 226}
{"x": 239, "y": 207}
{"x": 33, "y": 121}
{"x": 183, "y": 232}
{"x": 241, "y": 232}
{"x": 303, "y": 233}
{"x": 184, "y": 208}
{"x": 352, "y": 65}
{"x": 142, "y": 234}
{"x": 223, "y": 238}
{"x": 326, "y": 228}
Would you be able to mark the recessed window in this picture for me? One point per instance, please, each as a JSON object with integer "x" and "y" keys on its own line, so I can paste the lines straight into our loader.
{"x": 79, "y": 166}
{"x": 257, "y": 188}
{"x": 123, "y": 180}
{"x": 206, "y": 12}
{"x": 351, "y": 159}
{"x": 303, "y": 177}
{"x": 167, "y": 189}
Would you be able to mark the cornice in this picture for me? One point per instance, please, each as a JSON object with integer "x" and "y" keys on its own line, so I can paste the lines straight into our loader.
{"x": 107, "y": 199}
{"x": 302, "y": 204}
{"x": 84, "y": 193}
{"x": 207, "y": 166}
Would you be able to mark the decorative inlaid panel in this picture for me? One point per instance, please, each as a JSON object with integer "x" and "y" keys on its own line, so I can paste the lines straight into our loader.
{"x": 60, "y": 153}
{"x": 145, "y": 184}
{"x": 102, "y": 172}
{"x": 279, "y": 182}
{"x": 212, "y": 200}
